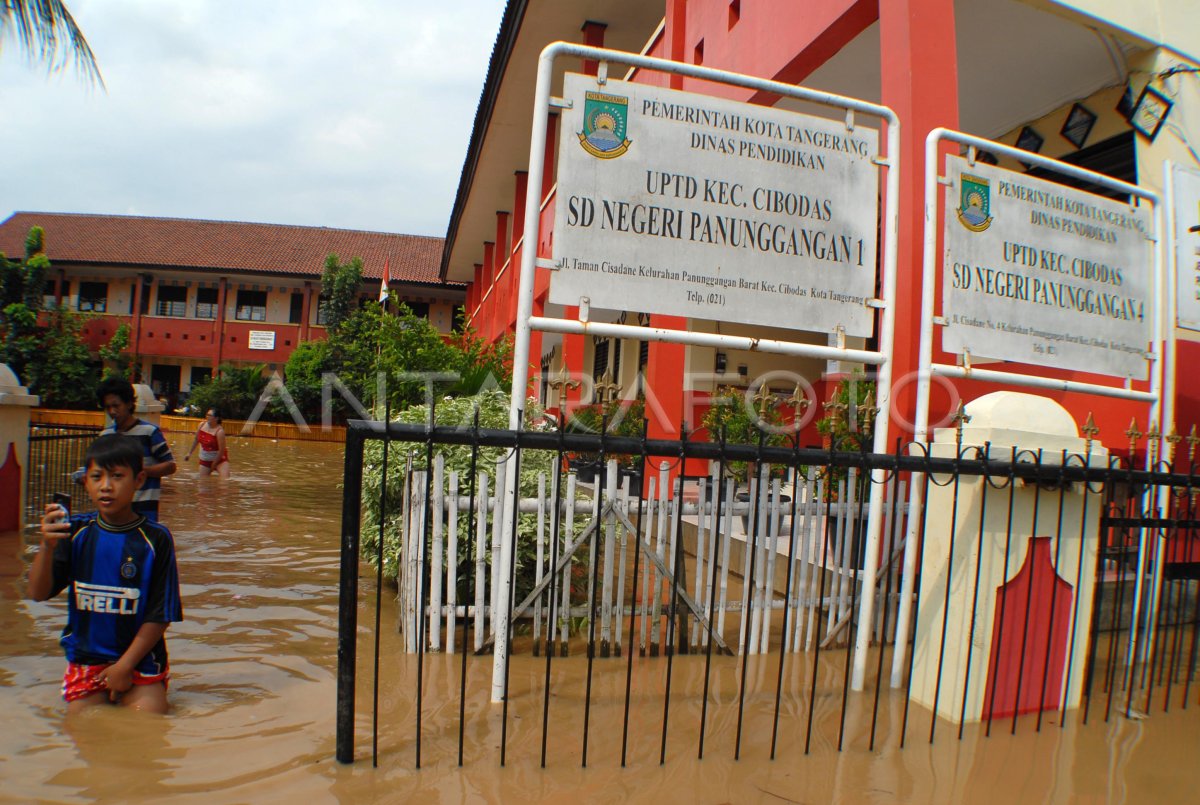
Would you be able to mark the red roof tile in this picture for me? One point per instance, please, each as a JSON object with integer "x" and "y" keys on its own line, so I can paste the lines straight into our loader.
{"x": 184, "y": 243}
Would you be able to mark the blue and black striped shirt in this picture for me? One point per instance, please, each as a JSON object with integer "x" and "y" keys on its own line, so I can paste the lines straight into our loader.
{"x": 117, "y": 579}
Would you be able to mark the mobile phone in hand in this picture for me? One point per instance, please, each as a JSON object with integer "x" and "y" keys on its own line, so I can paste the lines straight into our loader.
{"x": 63, "y": 501}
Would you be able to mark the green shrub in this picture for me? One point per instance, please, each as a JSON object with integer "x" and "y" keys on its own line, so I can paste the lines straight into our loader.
{"x": 458, "y": 411}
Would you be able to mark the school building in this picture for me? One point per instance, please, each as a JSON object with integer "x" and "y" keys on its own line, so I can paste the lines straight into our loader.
{"x": 197, "y": 294}
{"x": 1105, "y": 85}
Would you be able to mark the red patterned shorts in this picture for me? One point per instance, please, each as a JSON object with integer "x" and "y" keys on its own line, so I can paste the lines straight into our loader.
{"x": 84, "y": 680}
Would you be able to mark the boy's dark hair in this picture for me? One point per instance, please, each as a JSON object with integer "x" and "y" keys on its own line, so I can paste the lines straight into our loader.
{"x": 115, "y": 385}
{"x": 114, "y": 450}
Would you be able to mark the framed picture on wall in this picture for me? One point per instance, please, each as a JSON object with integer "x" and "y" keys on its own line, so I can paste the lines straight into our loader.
{"x": 1029, "y": 140}
{"x": 1078, "y": 125}
{"x": 1150, "y": 112}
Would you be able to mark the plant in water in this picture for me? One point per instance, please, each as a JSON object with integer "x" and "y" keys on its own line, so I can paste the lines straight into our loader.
{"x": 741, "y": 420}
{"x": 492, "y": 407}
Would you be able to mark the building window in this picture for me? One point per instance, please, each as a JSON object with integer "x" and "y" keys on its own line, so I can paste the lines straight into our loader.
{"x": 93, "y": 296}
{"x": 322, "y": 313}
{"x": 48, "y": 299}
{"x": 251, "y": 306}
{"x": 419, "y": 309}
{"x": 599, "y": 357}
{"x": 296, "y": 313}
{"x": 206, "y": 303}
{"x": 172, "y": 301}
{"x": 200, "y": 375}
{"x": 145, "y": 305}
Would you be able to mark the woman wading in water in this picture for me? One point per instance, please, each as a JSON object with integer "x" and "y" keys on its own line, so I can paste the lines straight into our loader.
{"x": 210, "y": 436}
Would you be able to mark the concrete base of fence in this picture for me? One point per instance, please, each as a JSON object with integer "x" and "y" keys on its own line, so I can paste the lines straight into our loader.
{"x": 1008, "y": 574}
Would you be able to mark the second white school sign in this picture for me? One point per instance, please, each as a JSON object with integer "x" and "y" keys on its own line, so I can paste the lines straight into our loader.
{"x": 684, "y": 204}
{"x": 1045, "y": 274}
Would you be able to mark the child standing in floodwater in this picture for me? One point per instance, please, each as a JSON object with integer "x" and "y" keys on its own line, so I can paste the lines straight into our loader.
{"x": 123, "y": 585}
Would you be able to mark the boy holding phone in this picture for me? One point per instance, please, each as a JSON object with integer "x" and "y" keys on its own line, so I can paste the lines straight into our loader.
{"x": 123, "y": 585}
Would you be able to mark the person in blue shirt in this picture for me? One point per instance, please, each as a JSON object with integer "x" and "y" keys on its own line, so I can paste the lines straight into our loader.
{"x": 117, "y": 399}
{"x": 122, "y": 584}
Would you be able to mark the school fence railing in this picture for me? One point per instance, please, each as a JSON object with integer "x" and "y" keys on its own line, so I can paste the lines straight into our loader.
{"x": 55, "y": 453}
{"x": 1015, "y": 586}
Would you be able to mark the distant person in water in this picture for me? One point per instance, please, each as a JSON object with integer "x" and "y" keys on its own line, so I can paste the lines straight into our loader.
{"x": 117, "y": 399}
{"x": 210, "y": 436}
{"x": 122, "y": 584}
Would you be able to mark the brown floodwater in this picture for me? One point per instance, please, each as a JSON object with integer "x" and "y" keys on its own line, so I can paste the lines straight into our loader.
{"x": 253, "y": 699}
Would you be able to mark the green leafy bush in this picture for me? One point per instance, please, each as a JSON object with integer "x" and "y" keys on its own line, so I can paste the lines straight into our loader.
{"x": 493, "y": 407}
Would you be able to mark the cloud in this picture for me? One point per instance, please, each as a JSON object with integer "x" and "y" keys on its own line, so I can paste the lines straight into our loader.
{"x": 352, "y": 114}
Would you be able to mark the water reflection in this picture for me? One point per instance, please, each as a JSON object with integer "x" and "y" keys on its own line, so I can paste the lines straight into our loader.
{"x": 253, "y": 698}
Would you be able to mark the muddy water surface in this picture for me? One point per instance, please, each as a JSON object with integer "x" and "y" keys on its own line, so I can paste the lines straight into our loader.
{"x": 254, "y": 671}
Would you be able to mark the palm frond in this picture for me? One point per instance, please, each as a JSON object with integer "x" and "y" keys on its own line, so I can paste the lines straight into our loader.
{"x": 46, "y": 30}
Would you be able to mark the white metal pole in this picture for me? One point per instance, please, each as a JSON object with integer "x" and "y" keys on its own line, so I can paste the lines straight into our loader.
{"x": 1158, "y": 377}
{"x": 921, "y": 415}
{"x": 883, "y": 388}
{"x": 520, "y": 376}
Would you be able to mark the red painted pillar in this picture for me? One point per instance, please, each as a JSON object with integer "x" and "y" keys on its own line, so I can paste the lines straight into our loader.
{"x": 135, "y": 336}
{"x": 218, "y": 335}
{"x": 919, "y": 69}
{"x": 474, "y": 313}
{"x": 491, "y": 314}
{"x": 520, "y": 185}
{"x": 306, "y": 310}
{"x": 505, "y": 302}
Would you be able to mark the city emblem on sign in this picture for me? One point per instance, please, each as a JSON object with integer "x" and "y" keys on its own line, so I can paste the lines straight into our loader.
{"x": 975, "y": 205}
{"x": 604, "y": 122}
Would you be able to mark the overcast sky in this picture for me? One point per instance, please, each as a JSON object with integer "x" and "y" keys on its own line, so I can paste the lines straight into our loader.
{"x": 341, "y": 113}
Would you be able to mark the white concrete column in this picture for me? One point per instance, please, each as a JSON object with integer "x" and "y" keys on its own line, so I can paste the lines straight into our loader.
{"x": 15, "y": 402}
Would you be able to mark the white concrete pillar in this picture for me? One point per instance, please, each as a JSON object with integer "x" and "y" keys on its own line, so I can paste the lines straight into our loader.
{"x": 15, "y": 402}
{"x": 1037, "y": 549}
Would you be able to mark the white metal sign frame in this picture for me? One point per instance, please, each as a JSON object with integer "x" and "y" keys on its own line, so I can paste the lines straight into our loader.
{"x": 526, "y": 322}
{"x": 927, "y": 369}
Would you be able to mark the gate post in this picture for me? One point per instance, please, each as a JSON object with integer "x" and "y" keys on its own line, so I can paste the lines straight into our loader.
{"x": 15, "y": 402}
{"x": 348, "y": 595}
{"x": 146, "y": 406}
{"x": 1001, "y": 632}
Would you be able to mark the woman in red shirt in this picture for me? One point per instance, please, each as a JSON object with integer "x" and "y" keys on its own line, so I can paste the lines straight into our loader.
{"x": 210, "y": 436}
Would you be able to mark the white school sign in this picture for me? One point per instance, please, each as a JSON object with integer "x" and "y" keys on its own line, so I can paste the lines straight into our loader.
{"x": 683, "y": 204}
{"x": 1186, "y": 185}
{"x": 1045, "y": 274}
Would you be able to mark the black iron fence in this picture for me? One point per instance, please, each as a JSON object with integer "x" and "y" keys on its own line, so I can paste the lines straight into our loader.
{"x": 55, "y": 453}
{"x": 955, "y": 585}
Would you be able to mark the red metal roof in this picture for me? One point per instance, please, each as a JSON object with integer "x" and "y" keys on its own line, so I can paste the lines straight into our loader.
{"x": 183, "y": 243}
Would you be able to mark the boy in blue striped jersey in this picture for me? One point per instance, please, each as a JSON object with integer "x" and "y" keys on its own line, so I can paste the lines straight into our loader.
{"x": 119, "y": 571}
{"x": 117, "y": 399}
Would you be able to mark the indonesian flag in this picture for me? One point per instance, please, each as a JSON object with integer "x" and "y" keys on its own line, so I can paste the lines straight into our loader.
{"x": 383, "y": 288}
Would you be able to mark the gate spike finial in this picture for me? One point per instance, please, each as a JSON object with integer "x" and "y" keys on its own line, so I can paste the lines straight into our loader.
{"x": 606, "y": 388}
{"x": 1192, "y": 439}
{"x": 1090, "y": 431}
{"x": 799, "y": 401}
{"x": 765, "y": 398}
{"x": 1134, "y": 434}
{"x": 1153, "y": 435}
{"x": 960, "y": 418}
{"x": 1172, "y": 439}
{"x": 834, "y": 408}
{"x": 869, "y": 410}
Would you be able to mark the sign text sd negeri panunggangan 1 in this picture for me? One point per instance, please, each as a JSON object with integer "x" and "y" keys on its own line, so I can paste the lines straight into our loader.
{"x": 746, "y": 215}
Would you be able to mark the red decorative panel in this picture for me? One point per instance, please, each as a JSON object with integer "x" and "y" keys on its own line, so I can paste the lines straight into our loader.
{"x": 1021, "y": 644}
{"x": 10, "y": 491}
